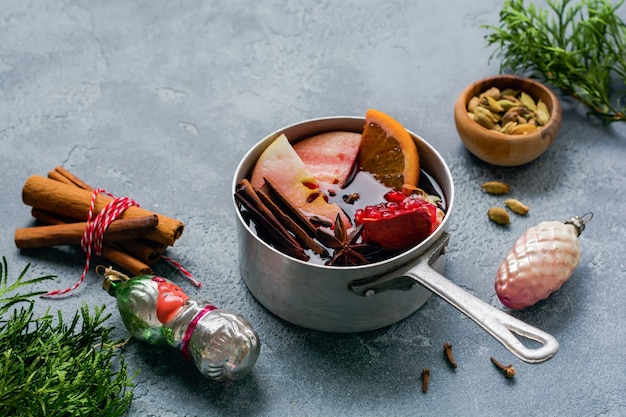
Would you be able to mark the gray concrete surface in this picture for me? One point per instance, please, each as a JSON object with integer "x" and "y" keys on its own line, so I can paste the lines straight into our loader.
{"x": 159, "y": 101}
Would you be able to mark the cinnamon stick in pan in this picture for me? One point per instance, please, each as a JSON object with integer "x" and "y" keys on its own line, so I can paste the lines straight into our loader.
{"x": 72, "y": 233}
{"x": 291, "y": 225}
{"x": 265, "y": 219}
{"x": 71, "y": 201}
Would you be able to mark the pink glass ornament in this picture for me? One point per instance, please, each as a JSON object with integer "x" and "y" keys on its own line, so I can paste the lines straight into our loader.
{"x": 539, "y": 262}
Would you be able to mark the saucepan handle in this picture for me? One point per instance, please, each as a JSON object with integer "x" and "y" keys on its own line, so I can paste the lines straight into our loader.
{"x": 502, "y": 326}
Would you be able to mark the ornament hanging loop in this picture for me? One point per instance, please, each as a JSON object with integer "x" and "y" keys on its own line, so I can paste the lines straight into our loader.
{"x": 110, "y": 275}
{"x": 579, "y": 222}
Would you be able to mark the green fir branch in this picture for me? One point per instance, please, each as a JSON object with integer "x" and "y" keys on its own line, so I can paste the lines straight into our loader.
{"x": 50, "y": 367}
{"x": 578, "y": 48}
{"x": 5, "y": 301}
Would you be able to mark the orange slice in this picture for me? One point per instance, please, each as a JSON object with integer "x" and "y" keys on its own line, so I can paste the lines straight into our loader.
{"x": 389, "y": 152}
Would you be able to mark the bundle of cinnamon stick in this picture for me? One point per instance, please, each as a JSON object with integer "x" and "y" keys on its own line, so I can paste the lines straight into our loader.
{"x": 60, "y": 204}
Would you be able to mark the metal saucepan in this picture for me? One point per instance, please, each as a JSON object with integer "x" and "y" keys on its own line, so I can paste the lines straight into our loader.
{"x": 360, "y": 298}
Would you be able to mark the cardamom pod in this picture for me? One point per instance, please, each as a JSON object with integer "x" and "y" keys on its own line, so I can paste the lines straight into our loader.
{"x": 493, "y": 92}
{"x": 511, "y": 97}
{"x": 516, "y": 206}
{"x": 506, "y": 104}
{"x": 487, "y": 113}
{"x": 506, "y": 129}
{"x": 483, "y": 120}
{"x": 528, "y": 101}
{"x": 484, "y": 117}
{"x": 542, "y": 115}
{"x": 472, "y": 104}
{"x": 491, "y": 104}
{"x": 498, "y": 215}
{"x": 509, "y": 117}
{"x": 496, "y": 187}
{"x": 509, "y": 92}
{"x": 523, "y": 128}
{"x": 518, "y": 110}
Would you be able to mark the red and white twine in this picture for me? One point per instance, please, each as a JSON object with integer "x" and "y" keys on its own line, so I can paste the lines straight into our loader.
{"x": 92, "y": 239}
{"x": 182, "y": 270}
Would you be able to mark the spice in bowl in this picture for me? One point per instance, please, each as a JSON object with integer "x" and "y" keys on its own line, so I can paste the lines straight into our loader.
{"x": 507, "y": 120}
{"x": 509, "y": 111}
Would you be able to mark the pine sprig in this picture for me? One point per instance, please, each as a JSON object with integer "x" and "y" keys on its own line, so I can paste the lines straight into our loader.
{"x": 579, "y": 48}
{"x": 5, "y": 301}
{"x": 50, "y": 367}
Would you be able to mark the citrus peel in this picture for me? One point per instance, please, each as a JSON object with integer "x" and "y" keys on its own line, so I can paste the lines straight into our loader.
{"x": 389, "y": 152}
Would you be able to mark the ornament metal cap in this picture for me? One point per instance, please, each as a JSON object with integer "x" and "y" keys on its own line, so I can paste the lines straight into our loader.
{"x": 579, "y": 222}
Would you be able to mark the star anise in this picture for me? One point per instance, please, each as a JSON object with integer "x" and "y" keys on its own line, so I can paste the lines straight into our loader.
{"x": 347, "y": 250}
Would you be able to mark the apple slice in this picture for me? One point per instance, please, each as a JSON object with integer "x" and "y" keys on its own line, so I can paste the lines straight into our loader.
{"x": 330, "y": 156}
{"x": 282, "y": 165}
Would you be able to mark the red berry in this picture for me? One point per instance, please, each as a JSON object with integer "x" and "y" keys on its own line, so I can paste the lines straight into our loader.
{"x": 400, "y": 223}
{"x": 394, "y": 196}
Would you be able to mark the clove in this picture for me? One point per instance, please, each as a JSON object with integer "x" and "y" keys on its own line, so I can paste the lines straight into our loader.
{"x": 351, "y": 198}
{"x": 447, "y": 350}
{"x": 508, "y": 371}
{"x": 425, "y": 378}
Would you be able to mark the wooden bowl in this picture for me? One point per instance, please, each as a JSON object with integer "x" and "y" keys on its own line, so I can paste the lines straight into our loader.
{"x": 504, "y": 149}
